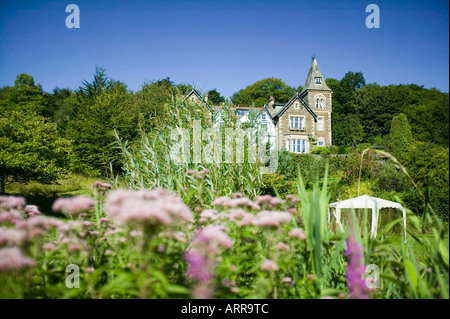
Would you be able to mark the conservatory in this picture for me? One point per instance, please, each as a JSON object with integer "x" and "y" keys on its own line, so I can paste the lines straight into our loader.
{"x": 364, "y": 202}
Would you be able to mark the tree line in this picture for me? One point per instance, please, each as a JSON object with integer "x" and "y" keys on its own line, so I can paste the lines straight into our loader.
{"x": 44, "y": 135}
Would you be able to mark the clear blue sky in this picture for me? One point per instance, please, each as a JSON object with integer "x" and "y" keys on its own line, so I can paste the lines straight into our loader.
{"x": 224, "y": 44}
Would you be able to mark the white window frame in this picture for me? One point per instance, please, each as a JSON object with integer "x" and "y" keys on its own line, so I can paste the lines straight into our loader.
{"x": 300, "y": 121}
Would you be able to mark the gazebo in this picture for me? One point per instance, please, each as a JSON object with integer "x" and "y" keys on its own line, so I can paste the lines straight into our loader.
{"x": 365, "y": 202}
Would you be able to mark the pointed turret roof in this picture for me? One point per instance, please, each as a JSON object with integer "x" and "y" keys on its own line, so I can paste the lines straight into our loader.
{"x": 313, "y": 73}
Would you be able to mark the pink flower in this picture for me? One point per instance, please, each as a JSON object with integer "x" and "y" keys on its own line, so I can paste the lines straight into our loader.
{"x": 214, "y": 236}
{"x": 267, "y": 200}
{"x": 49, "y": 246}
{"x": 282, "y": 246}
{"x": 11, "y": 237}
{"x": 297, "y": 233}
{"x": 287, "y": 280}
{"x": 73, "y": 205}
{"x": 180, "y": 236}
{"x": 269, "y": 265}
{"x": 12, "y": 203}
{"x": 241, "y": 217}
{"x": 147, "y": 206}
{"x": 11, "y": 258}
{"x": 73, "y": 247}
{"x": 38, "y": 225}
{"x": 271, "y": 218}
{"x": 292, "y": 198}
{"x": 32, "y": 210}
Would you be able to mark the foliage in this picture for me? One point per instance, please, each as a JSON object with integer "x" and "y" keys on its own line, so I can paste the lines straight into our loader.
{"x": 260, "y": 91}
{"x": 214, "y": 97}
{"x": 30, "y": 149}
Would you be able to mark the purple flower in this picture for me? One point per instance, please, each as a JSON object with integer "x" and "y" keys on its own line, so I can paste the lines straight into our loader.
{"x": 356, "y": 270}
{"x": 200, "y": 266}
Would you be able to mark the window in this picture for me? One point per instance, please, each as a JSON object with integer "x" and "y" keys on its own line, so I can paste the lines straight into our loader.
{"x": 317, "y": 103}
{"x": 263, "y": 116}
{"x": 242, "y": 112}
{"x": 298, "y": 146}
{"x": 297, "y": 123}
{"x": 320, "y": 123}
{"x": 318, "y": 80}
{"x": 288, "y": 145}
{"x": 192, "y": 99}
{"x": 303, "y": 146}
{"x": 321, "y": 104}
{"x": 320, "y": 144}
{"x": 296, "y": 105}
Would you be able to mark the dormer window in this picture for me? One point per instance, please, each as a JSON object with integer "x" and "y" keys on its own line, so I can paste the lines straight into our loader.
{"x": 318, "y": 80}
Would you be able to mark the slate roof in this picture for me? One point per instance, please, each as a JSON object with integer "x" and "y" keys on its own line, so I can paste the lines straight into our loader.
{"x": 310, "y": 83}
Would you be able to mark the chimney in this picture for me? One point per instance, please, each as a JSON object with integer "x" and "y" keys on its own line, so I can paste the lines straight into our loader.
{"x": 205, "y": 97}
{"x": 271, "y": 101}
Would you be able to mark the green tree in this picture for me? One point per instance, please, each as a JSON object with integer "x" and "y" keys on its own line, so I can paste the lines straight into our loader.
{"x": 151, "y": 101}
{"x": 30, "y": 149}
{"x": 260, "y": 92}
{"x": 214, "y": 97}
{"x": 400, "y": 136}
{"x": 25, "y": 95}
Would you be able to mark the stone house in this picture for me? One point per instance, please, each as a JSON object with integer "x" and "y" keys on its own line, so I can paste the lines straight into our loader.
{"x": 298, "y": 125}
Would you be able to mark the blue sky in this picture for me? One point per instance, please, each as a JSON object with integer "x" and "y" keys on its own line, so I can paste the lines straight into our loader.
{"x": 224, "y": 44}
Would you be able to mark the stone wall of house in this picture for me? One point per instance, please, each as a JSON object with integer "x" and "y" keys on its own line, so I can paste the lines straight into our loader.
{"x": 310, "y": 98}
{"x": 283, "y": 125}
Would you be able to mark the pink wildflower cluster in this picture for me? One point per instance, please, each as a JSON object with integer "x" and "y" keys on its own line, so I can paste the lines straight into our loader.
{"x": 73, "y": 205}
{"x": 11, "y": 258}
{"x": 38, "y": 225}
{"x": 225, "y": 201}
{"x": 32, "y": 210}
{"x": 11, "y": 209}
{"x": 297, "y": 233}
{"x": 155, "y": 207}
{"x": 268, "y": 201}
{"x": 272, "y": 218}
{"x": 11, "y": 237}
{"x": 269, "y": 265}
{"x": 356, "y": 270}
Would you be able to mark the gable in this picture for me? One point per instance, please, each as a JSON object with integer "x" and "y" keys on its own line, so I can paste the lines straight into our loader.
{"x": 297, "y": 98}
{"x": 194, "y": 97}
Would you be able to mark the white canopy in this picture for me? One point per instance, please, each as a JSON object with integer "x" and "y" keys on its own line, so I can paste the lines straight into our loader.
{"x": 365, "y": 202}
